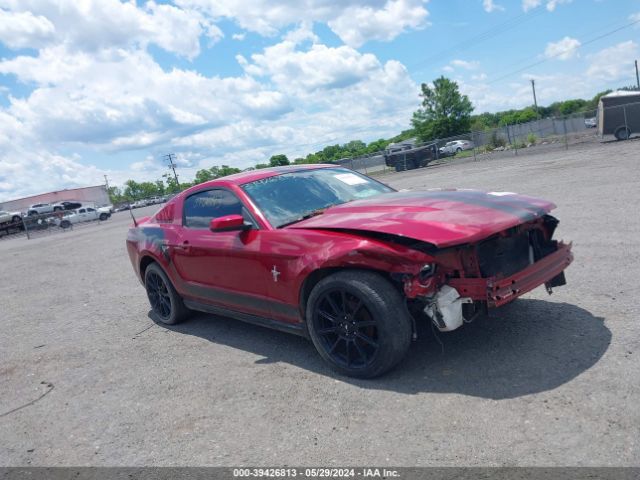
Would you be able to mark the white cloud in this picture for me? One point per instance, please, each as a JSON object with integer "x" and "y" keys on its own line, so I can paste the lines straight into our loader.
{"x": 564, "y": 49}
{"x": 530, "y": 4}
{"x": 550, "y": 4}
{"x": 91, "y": 26}
{"x": 238, "y": 36}
{"x": 489, "y": 6}
{"x": 359, "y": 24}
{"x": 465, "y": 64}
{"x": 24, "y": 29}
{"x": 635, "y": 17}
{"x": 319, "y": 67}
{"x": 295, "y": 97}
{"x": 607, "y": 65}
{"x": 124, "y": 99}
{"x": 148, "y": 164}
{"x": 458, "y": 64}
{"x": 602, "y": 70}
{"x": 354, "y": 21}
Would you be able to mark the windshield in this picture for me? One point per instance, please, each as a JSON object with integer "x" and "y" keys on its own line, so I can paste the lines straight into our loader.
{"x": 291, "y": 197}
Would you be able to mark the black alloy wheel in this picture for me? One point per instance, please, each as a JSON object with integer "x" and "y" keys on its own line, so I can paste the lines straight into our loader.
{"x": 166, "y": 304}
{"x": 346, "y": 328}
{"x": 158, "y": 294}
{"x": 358, "y": 322}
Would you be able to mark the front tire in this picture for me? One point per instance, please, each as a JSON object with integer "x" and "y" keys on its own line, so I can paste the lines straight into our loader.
{"x": 103, "y": 216}
{"x": 358, "y": 322}
{"x": 166, "y": 304}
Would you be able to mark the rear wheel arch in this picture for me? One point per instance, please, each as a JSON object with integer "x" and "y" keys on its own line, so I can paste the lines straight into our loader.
{"x": 145, "y": 261}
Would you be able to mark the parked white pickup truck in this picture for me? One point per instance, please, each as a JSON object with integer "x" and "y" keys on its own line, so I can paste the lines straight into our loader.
{"x": 84, "y": 214}
{"x": 8, "y": 218}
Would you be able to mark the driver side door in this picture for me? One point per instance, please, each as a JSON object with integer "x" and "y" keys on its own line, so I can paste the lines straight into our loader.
{"x": 220, "y": 268}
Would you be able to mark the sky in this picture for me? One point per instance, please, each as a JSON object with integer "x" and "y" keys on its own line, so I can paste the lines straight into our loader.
{"x": 107, "y": 87}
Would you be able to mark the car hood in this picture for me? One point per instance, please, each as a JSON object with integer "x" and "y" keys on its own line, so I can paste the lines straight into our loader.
{"x": 440, "y": 217}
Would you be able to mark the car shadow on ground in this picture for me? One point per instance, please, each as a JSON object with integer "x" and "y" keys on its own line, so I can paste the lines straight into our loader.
{"x": 526, "y": 347}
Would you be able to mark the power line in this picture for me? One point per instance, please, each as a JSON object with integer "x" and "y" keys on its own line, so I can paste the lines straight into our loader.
{"x": 481, "y": 37}
{"x": 563, "y": 52}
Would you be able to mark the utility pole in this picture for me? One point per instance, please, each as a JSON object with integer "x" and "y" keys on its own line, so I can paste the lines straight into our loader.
{"x": 535, "y": 100}
{"x": 170, "y": 158}
{"x": 637, "y": 77}
{"x": 106, "y": 182}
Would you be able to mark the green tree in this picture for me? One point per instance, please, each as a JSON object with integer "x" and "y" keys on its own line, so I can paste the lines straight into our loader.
{"x": 116, "y": 196}
{"x": 278, "y": 161}
{"x": 160, "y": 188}
{"x": 214, "y": 172}
{"x": 593, "y": 103}
{"x": 132, "y": 190}
{"x": 172, "y": 185}
{"x": 445, "y": 111}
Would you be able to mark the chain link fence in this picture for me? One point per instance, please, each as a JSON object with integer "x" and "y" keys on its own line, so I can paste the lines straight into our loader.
{"x": 616, "y": 122}
{"x": 37, "y": 225}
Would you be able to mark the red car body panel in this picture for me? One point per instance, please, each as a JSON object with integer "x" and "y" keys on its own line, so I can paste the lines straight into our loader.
{"x": 262, "y": 272}
{"x": 440, "y": 217}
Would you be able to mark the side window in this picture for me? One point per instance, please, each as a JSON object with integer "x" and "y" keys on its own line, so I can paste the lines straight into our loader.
{"x": 91, "y": 209}
{"x": 200, "y": 208}
{"x": 82, "y": 210}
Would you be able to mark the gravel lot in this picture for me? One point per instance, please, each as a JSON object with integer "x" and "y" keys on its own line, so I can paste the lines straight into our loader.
{"x": 548, "y": 380}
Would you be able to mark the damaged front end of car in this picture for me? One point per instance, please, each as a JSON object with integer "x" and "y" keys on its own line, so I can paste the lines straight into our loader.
{"x": 466, "y": 280}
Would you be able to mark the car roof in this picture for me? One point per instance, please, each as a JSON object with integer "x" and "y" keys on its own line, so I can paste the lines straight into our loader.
{"x": 253, "y": 175}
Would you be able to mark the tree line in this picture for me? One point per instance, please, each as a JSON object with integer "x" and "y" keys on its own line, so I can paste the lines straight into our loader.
{"x": 444, "y": 112}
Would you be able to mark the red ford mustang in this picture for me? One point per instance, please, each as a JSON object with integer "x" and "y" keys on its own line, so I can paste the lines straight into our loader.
{"x": 340, "y": 258}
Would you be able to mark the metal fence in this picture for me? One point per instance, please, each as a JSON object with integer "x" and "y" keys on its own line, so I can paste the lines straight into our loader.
{"x": 38, "y": 225}
{"x": 614, "y": 122}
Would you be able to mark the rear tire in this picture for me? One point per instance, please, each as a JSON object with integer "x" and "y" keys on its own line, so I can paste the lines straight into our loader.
{"x": 358, "y": 322}
{"x": 622, "y": 133}
{"x": 166, "y": 305}
{"x": 65, "y": 224}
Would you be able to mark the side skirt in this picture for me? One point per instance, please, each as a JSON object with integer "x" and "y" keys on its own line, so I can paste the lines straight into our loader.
{"x": 296, "y": 329}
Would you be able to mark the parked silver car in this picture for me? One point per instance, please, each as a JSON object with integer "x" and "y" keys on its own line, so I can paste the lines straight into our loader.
{"x": 455, "y": 146}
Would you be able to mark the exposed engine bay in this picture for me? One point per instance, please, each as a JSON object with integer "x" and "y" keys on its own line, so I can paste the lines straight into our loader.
{"x": 467, "y": 280}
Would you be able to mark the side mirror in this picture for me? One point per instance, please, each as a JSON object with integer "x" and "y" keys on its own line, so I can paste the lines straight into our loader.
{"x": 229, "y": 223}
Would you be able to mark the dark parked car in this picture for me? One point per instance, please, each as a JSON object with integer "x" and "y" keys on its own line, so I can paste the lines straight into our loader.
{"x": 342, "y": 259}
{"x": 406, "y": 156}
{"x": 67, "y": 205}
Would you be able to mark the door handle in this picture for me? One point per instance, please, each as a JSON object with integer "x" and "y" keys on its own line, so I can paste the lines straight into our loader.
{"x": 183, "y": 247}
